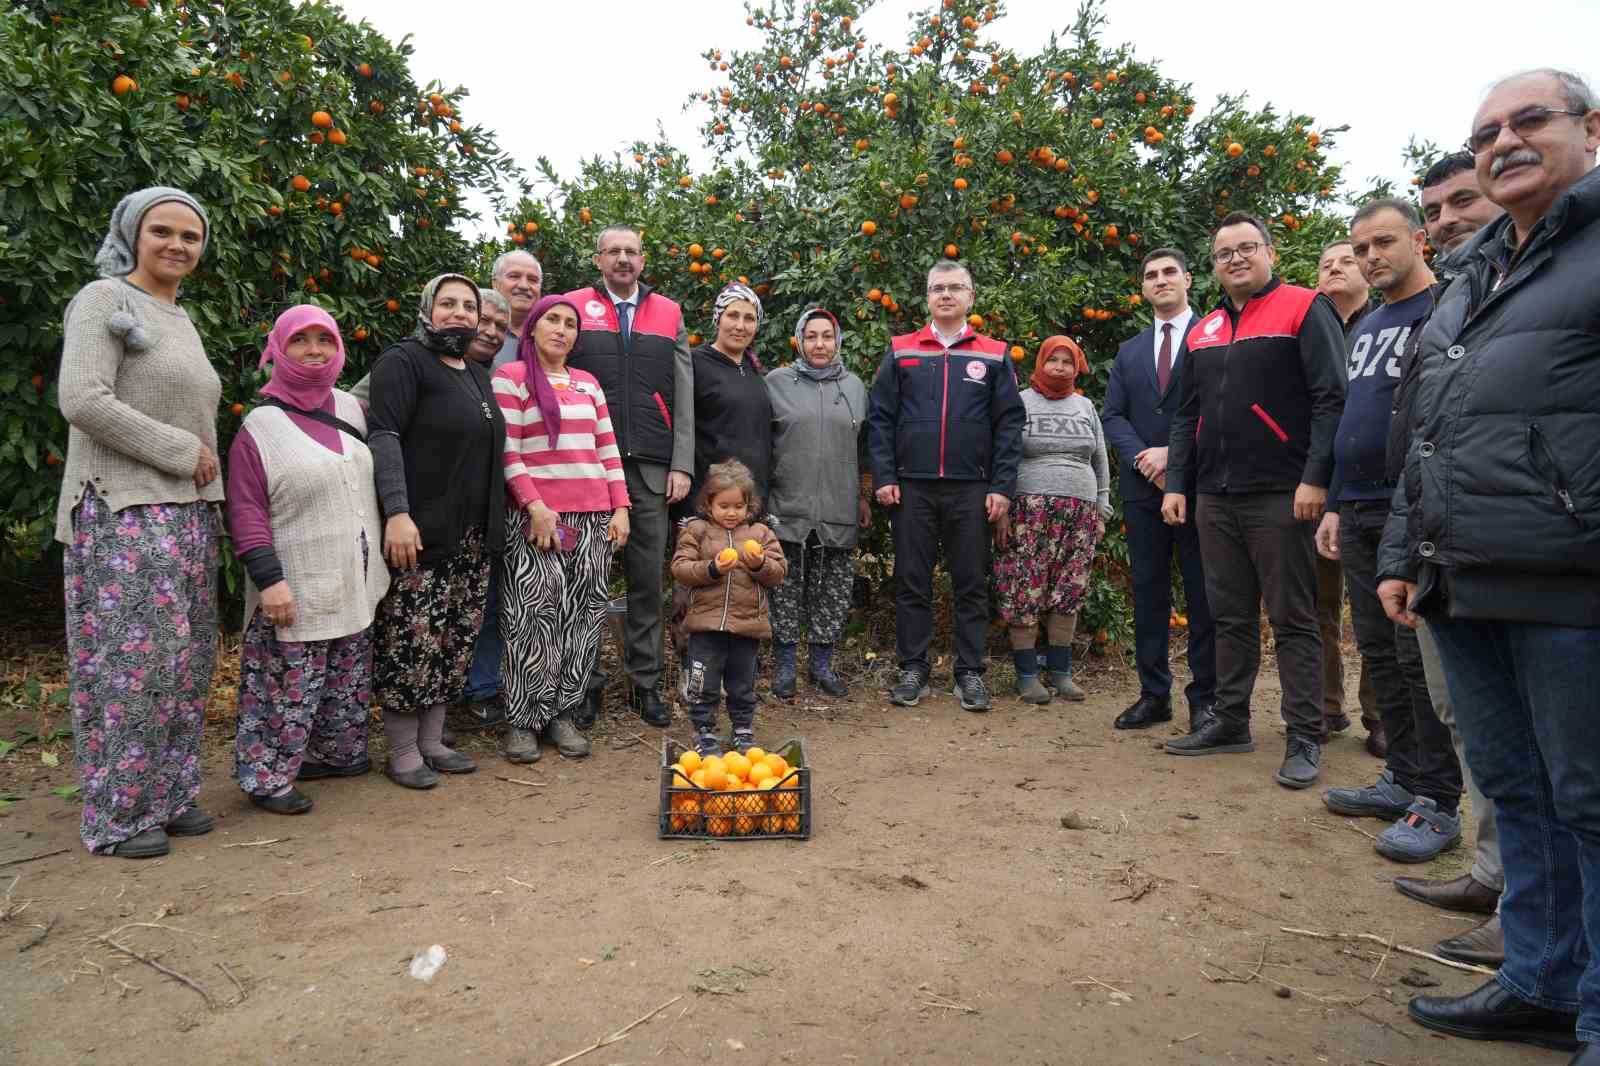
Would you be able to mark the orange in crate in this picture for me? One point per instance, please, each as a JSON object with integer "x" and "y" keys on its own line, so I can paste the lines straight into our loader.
{"x": 756, "y": 795}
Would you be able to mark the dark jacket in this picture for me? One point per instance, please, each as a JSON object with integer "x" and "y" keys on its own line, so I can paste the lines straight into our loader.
{"x": 1261, "y": 395}
{"x": 938, "y": 412}
{"x": 733, "y": 600}
{"x": 733, "y": 418}
{"x": 1400, "y": 409}
{"x": 1136, "y": 415}
{"x": 646, "y": 377}
{"x": 435, "y": 455}
{"x": 1498, "y": 512}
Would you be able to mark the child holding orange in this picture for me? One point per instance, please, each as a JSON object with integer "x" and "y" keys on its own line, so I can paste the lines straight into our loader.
{"x": 727, "y": 561}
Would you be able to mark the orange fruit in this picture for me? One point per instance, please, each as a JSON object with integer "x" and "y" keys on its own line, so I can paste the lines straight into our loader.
{"x": 1017, "y": 353}
{"x": 726, "y": 558}
{"x": 361, "y": 333}
{"x": 238, "y": 409}
{"x": 300, "y": 183}
{"x": 951, "y": 251}
{"x": 975, "y": 321}
{"x": 698, "y": 778}
{"x": 869, "y": 227}
{"x": 1235, "y": 149}
{"x": 122, "y": 85}
{"x": 689, "y": 761}
{"x": 1097, "y": 123}
{"x": 737, "y": 764}
{"x": 752, "y": 550}
{"x": 696, "y": 251}
{"x": 960, "y": 184}
{"x": 392, "y": 304}
{"x": 716, "y": 778}
{"x": 759, "y": 773}
{"x": 337, "y": 137}
{"x": 322, "y": 120}
{"x": 777, "y": 763}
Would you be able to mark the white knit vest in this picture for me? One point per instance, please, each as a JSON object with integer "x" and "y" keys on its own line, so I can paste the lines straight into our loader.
{"x": 320, "y": 505}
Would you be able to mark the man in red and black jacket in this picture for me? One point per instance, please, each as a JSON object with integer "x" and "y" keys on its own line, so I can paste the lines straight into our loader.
{"x": 1254, "y": 436}
{"x": 944, "y": 439}
{"x": 633, "y": 341}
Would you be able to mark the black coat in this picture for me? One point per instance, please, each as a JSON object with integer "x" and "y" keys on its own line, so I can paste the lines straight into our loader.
{"x": 732, "y": 417}
{"x": 1498, "y": 513}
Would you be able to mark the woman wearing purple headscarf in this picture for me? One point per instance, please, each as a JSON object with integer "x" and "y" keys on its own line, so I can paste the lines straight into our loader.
{"x": 566, "y": 510}
{"x": 304, "y": 517}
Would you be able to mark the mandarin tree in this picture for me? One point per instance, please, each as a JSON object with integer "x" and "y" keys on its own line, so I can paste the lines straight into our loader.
{"x": 329, "y": 176}
{"x": 842, "y": 168}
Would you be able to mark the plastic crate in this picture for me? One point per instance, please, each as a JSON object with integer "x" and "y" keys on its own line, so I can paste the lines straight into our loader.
{"x": 780, "y": 813}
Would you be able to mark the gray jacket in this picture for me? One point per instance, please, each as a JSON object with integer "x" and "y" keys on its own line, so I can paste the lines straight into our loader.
{"x": 818, "y": 437}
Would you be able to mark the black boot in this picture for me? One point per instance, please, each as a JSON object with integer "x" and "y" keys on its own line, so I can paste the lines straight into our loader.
{"x": 822, "y": 674}
{"x": 648, "y": 706}
{"x": 783, "y": 669}
{"x": 1214, "y": 737}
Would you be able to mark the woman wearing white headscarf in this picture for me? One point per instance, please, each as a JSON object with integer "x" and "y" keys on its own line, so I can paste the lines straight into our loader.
{"x": 138, "y": 520}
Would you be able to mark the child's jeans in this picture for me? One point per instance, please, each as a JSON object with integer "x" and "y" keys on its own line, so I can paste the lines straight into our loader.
{"x": 722, "y": 662}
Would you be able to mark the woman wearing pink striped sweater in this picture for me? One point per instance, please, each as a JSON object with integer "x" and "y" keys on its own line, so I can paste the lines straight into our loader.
{"x": 566, "y": 510}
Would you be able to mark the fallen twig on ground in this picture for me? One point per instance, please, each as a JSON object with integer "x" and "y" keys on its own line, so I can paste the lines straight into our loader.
{"x": 243, "y": 995}
{"x": 519, "y": 781}
{"x": 935, "y": 1000}
{"x": 618, "y": 1035}
{"x": 259, "y": 843}
{"x": 397, "y": 907}
{"x": 524, "y": 884}
{"x": 1102, "y": 984}
{"x": 1352, "y": 825}
{"x": 1403, "y": 949}
{"x": 34, "y": 858}
{"x": 181, "y": 978}
{"x": 39, "y": 937}
{"x": 1181, "y": 1039}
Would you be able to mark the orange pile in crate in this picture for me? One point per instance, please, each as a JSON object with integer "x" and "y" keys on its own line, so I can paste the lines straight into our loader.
{"x": 737, "y": 795}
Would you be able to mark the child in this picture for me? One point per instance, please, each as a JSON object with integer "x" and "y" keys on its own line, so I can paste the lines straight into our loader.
{"x": 727, "y": 560}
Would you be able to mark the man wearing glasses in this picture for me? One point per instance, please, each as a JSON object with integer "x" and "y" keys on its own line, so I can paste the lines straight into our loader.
{"x": 1494, "y": 540}
{"x": 944, "y": 439}
{"x": 1254, "y": 434}
{"x": 631, "y": 338}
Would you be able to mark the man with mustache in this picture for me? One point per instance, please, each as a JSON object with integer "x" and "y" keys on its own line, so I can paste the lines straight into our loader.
{"x": 519, "y": 278}
{"x": 494, "y": 326}
{"x": 632, "y": 339}
{"x": 1494, "y": 539}
{"x": 1339, "y": 278}
{"x": 1453, "y": 208}
{"x": 1254, "y": 437}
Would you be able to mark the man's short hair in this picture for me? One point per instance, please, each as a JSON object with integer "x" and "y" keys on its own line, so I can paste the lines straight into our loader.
{"x": 949, "y": 266}
{"x": 616, "y": 227}
{"x": 1575, "y": 92}
{"x": 490, "y": 296}
{"x": 1240, "y": 218}
{"x": 1448, "y": 167}
{"x": 1404, "y": 208}
{"x": 501, "y": 259}
{"x": 1331, "y": 245}
{"x": 1164, "y": 253}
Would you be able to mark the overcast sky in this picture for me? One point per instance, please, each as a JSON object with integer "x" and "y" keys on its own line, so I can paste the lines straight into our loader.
{"x": 568, "y": 80}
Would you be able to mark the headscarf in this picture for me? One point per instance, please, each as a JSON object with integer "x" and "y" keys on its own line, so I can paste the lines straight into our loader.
{"x": 729, "y": 296}
{"x": 1047, "y": 349}
{"x": 543, "y": 392}
{"x": 118, "y": 253}
{"x": 297, "y": 385}
{"x": 454, "y": 340}
{"x": 832, "y": 371}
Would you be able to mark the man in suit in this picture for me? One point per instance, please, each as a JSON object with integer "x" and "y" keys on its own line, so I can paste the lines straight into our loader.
{"x": 1141, "y": 396}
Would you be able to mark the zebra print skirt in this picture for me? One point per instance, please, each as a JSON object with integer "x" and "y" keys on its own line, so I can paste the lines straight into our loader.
{"x": 552, "y": 605}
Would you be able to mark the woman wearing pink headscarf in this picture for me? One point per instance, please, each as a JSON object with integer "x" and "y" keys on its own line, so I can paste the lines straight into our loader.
{"x": 304, "y": 516}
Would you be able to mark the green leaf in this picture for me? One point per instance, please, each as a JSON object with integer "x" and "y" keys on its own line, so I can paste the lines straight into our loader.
{"x": 67, "y": 791}
{"x": 49, "y": 758}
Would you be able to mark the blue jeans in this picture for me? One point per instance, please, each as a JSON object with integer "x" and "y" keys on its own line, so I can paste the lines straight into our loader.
{"x": 483, "y": 679}
{"x": 1527, "y": 700}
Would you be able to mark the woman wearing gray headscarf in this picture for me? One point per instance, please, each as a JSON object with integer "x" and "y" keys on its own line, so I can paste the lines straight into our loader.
{"x": 819, "y": 413}
{"x": 438, "y": 444}
{"x": 138, "y": 520}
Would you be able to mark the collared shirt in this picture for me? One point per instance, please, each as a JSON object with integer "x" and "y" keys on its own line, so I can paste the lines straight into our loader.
{"x": 1180, "y": 328}
{"x": 630, "y": 301}
{"x": 948, "y": 340}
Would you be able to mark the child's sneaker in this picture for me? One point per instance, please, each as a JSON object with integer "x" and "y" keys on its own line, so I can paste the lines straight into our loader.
{"x": 743, "y": 740}
{"x": 707, "y": 744}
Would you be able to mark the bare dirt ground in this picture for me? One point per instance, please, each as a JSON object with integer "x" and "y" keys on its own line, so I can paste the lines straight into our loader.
{"x": 940, "y": 914}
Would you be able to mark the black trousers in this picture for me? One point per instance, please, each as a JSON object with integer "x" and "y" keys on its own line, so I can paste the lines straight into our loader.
{"x": 934, "y": 514}
{"x": 1151, "y": 543}
{"x": 1254, "y": 549}
{"x": 1421, "y": 753}
{"x": 721, "y": 662}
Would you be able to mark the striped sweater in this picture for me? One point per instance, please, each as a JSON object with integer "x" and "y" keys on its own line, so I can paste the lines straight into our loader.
{"x": 584, "y": 471}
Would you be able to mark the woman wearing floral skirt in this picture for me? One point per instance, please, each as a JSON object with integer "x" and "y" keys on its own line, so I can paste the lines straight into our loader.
{"x": 304, "y": 519}
{"x": 437, "y": 439}
{"x": 138, "y": 520}
{"x": 1048, "y": 540}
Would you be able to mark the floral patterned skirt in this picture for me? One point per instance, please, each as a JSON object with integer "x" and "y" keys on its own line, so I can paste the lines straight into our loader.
{"x": 1045, "y": 567}
{"x": 426, "y": 627}
{"x": 141, "y": 591}
{"x": 298, "y": 700}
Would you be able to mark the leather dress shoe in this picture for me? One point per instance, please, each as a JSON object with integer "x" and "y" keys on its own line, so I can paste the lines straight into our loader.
{"x": 1214, "y": 737}
{"x": 1377, "y": 741}
{"x": 1589, "y": 1056}
{"x": 1334, "y": 723}
{"x": 1482, "y": 945}
{"x": 1461, "y": 894}
{"x": 649, "y": 707}
{"x": 1492, "y": 1013}
{"x": 1146, "y": 711}
{"x": 1201, "y": 713}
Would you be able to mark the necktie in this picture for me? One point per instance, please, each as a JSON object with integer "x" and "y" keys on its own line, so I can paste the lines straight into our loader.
{"x": 625, "y": 323}
{"x": 1164, "y": 360}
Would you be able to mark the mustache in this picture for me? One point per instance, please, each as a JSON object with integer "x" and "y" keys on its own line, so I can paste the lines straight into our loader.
{"x": 1514, "y": 158}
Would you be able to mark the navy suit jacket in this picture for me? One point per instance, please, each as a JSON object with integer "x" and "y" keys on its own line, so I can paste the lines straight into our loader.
{"x": 1136, "y": 416}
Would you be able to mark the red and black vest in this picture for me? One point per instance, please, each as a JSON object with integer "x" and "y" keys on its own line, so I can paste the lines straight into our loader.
{"x": 637, "y": 378}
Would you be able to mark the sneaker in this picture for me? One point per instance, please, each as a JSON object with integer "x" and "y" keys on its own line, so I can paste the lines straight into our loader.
{"x": 565, "y": 736}
{"x": 474, "y": 715}
{"x": 912, "y": 686}
{"x": 1031, "y": 690}
{"x": 1385, "y": 799}
{"x": 1214, "y": 737}
{"x": 973, "y": 691}
{"x": 522, "y": 746}
{"x": 707, "y": 744}
{"x": 743, "y": 740}
{"x": 1302, "y": 758}
{"x": 1421, "y": 834}
{"x": 1063, "y": 686}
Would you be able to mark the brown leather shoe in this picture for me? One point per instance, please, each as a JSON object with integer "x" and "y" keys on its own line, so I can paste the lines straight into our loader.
{"x": 1461, "y": 894}
{"x": 1484, "y": 945}
{"x": 1377, "y": 740}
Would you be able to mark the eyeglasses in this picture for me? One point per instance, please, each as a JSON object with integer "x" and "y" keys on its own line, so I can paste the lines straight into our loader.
{"x": 1524, "y": 124}
{"x": 953, "y": 290}
{"x": 620, "y": 253}
{"x": 1243, "y": 251}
